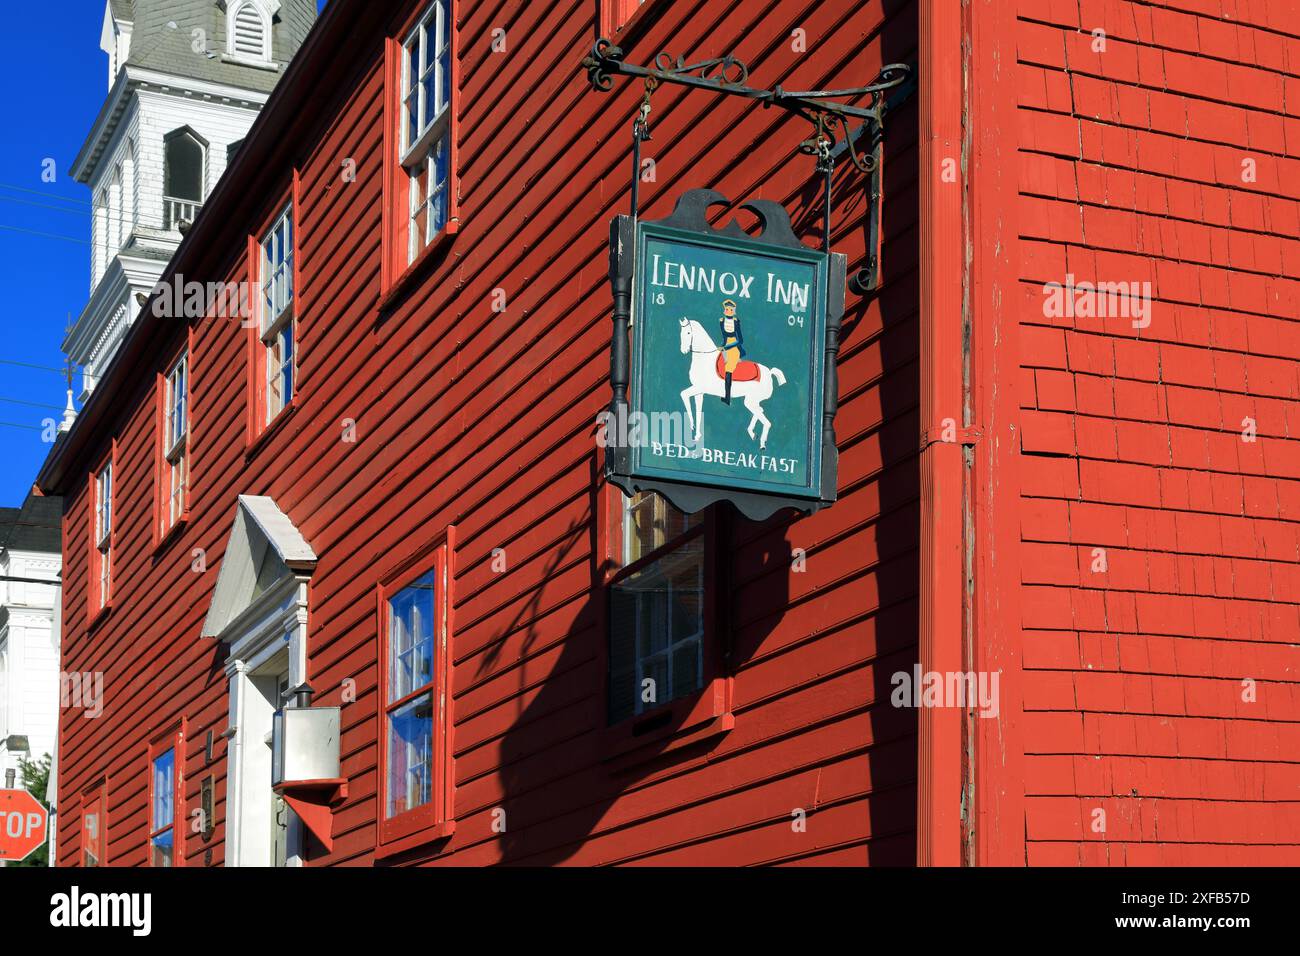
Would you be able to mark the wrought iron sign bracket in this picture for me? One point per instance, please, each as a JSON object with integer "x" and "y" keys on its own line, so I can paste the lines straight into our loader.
{"x": 822, "y": 108}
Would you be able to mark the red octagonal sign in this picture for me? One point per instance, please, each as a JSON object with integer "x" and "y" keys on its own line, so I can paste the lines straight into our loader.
{"x": 22, "y": 824}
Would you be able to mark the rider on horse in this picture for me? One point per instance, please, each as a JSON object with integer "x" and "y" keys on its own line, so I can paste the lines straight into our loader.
{"x": 732, "y": 344}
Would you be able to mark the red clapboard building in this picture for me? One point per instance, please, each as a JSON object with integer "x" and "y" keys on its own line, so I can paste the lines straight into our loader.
{"x": 368, "y": 520}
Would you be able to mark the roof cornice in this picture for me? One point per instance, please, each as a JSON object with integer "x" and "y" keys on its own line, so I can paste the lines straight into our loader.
{"x": 104, "y": 125}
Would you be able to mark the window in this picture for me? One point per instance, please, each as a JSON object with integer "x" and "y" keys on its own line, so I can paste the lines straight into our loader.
{"x": 94, "y": 824}
{"x": 174, "y": 472}
{"x": 657, "y": 608}
{"x": 277, "y": 315}
{"x": 102, "y": 537}
{"x": 420, "y": 180}
{"x": 183, "y": 176}
{"x": 249, "y": 33}
{"x": 414, "y": 751}
{"x": 165, "y": 836}
{"x": 426, "y": 127}
{"x": 411, "y": 623}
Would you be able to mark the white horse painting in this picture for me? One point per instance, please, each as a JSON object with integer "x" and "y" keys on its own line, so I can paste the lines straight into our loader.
{"x": 706, "y": 381}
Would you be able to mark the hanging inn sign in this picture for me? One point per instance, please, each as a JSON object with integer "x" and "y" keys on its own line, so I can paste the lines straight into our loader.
{"x": 723, "y": 360}
{"x": 724, "y": 368}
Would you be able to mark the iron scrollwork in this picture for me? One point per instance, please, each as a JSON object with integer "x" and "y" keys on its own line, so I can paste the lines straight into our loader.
{"x": 832, "y": 136}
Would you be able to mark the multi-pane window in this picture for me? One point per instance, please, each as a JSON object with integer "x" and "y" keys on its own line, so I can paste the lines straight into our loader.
{"x": 104, "y": 532}
{"x": 426, "y": 125}
{"x": 176, "y": 431}
{"x": 656, "y": 639}
{"x": 414, "y": 752}
{"x": 93, "y": 823}
{"x": 413, "y": 627}
{"x": 162, "y": 814}
{"x": 277, "y": 324}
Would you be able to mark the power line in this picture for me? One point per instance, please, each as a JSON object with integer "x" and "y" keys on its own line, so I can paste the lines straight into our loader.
{"x": 35, "y": 428}
{"x": 100, "y": 213}
{"x": 46, "y": 205}
{"x": 46, "y": 235}
{"x": 19, "y": 401}
{"x": 44, "y": 192}
{"x": 43, "y": 368}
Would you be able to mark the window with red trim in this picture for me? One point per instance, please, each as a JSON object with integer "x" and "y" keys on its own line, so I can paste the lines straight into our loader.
{"x": 173, "y": 444}
{"x": 101, "y": 536}
{"x": 658, "y": 620}
{"x": 422, "y": 204}
{"x": 415, "y": 753}
{"x": 166, "y": 821}
{"x": 274, "y": 333}
{"x": 94, "y": 827}
{"x": 665, "y": 653}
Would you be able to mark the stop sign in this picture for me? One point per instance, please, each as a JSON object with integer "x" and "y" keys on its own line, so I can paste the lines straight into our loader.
{"x": 22, "y": 824}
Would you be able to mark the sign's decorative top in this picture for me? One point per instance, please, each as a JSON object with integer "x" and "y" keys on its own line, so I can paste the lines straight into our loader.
{"x": 729, "y": 389}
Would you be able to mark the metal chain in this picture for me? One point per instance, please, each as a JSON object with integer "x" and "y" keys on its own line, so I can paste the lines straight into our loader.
{"x": 640, "y": 134}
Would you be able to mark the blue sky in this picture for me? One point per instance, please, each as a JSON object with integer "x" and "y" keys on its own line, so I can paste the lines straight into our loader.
{"x": 60, "y": 77}
{"x": 57, "y": 81}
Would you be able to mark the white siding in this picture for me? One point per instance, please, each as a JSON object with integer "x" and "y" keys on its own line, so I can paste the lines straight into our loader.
{"x": 31, "y": 694}
{"x": 219, "y": 123}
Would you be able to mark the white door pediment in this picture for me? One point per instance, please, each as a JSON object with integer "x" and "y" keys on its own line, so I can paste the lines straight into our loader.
{"x": 264, "y": 550}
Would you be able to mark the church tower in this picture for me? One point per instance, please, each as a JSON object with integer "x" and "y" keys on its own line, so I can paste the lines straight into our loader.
{"x": 186, "y": 79}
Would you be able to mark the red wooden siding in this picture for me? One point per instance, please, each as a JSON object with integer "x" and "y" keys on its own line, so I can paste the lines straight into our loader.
{"x": 1131, "y": 169}
{"x": 484, "y": 420}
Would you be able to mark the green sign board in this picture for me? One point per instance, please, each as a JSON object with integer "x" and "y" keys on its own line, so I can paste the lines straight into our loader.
{"x": 727, "y": 392}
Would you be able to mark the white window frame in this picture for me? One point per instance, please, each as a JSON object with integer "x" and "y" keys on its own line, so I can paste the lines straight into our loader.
{"x": 428, "y": 146}
{"x": 401, "y": 698}
{"x": 176, "y": 435}
{"x": 174, "y": 205}
{"x": 278, "y": 314}
{"x": 104, "y": 529}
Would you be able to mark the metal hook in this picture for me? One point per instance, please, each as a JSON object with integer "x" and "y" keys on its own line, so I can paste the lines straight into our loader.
{"x": 641, "y": 125}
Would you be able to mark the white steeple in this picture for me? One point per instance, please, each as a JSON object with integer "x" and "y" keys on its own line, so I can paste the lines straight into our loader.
{"x": 186, "y": 81}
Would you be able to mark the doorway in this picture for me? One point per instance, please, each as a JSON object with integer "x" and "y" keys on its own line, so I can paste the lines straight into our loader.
{"x": 265, "y": 821}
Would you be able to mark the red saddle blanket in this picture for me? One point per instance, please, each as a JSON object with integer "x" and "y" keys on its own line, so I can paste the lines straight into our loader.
{"x": 745, "y": 371}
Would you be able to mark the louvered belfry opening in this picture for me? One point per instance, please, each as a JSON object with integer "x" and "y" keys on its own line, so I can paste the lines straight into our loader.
{"x": 250, "y": 39}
